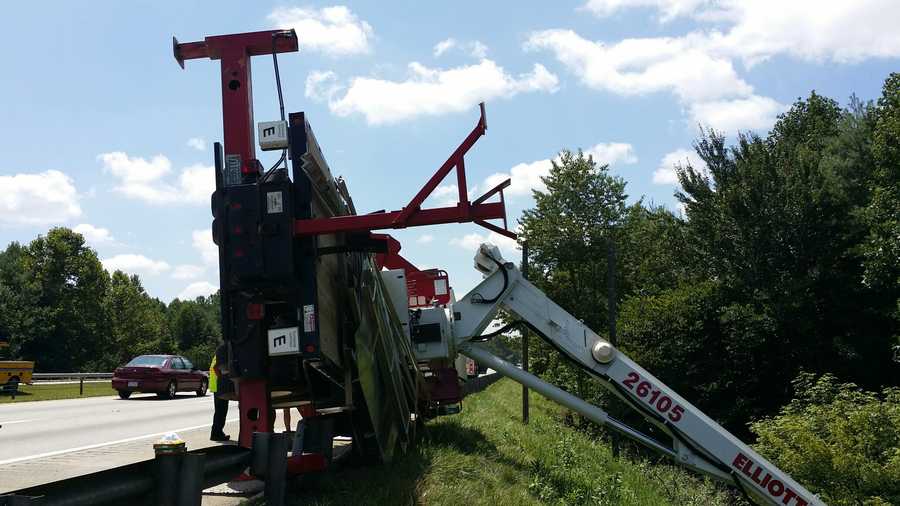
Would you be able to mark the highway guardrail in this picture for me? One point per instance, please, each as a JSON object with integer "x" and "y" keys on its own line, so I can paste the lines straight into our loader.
{"x": 63, "y": 376}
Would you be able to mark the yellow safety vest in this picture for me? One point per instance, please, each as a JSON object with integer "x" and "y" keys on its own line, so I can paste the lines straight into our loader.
{"x": 213, "y": 378}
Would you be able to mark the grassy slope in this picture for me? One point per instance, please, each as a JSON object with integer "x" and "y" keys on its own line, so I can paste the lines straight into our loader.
{"x": 486, "y": 456}
{"x": 47, "y": 392}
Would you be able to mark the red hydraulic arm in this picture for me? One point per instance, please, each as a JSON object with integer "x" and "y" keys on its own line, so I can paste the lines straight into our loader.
{"x": 234, "y": 52}
{"x": 412, "y": 215}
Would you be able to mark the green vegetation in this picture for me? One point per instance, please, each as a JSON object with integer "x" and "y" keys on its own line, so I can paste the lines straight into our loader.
{"x": 62, "y": 310}
{"x": 842, "y": 441}
{"x": 47, "y": 392}
{"x": 786, "y": 260}
{"x": 485, "y": 455}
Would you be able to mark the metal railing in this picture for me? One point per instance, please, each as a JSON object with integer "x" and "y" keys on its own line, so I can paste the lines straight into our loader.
{"x": 63, "y": 376}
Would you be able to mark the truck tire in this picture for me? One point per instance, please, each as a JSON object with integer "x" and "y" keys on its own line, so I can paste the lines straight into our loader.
{"x": 124, "y": 394}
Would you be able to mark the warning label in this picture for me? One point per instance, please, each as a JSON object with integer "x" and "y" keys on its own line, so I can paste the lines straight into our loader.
{"x": 232, "y": 175}
{"x": 274, "y": 202}
{"x": 284, "y": 341}
{"x": 309, "y": 318}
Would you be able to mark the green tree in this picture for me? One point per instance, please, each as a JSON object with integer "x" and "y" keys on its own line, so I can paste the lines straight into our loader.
{"x": 651, "y": 251}
{"x": 568, "y": 233}
{"x": 881, "y": 249}
{"x": 195, "y": 326}
{"x": 137, "y": 322}
{"x": 53, "y": 307}
{"x": 777, "y": 222}
{"x": 12, "y": 279}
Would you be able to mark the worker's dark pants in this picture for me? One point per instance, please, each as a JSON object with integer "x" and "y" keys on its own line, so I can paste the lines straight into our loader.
{"x": 221, "y": 412}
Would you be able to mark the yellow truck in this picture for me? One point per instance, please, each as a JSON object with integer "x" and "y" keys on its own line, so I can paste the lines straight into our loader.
{"x": 14, "y": 372}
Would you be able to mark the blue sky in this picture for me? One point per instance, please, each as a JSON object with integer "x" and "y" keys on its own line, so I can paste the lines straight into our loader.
{"x": 103, "y": 132}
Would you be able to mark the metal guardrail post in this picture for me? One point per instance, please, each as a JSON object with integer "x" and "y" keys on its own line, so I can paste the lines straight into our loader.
{"x": 190, "y": 488}
{"x": 276, "y": 478}
{"x": 81, "y": 386}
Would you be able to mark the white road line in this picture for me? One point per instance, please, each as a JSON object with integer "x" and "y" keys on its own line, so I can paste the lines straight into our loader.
{"x": 108, "y": 443}
{"x": 11, "y": 422}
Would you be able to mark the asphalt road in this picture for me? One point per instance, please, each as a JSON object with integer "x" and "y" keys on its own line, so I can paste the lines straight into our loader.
{"x": 49, "y": 440}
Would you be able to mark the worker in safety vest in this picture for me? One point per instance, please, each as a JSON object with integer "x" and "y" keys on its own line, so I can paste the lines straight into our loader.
{"x": 222, "y": 389}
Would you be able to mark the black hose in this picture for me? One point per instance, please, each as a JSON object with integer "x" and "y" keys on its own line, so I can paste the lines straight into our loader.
{"x": 477, "y": 298}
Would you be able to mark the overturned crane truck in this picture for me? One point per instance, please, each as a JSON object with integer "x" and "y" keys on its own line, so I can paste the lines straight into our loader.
{"x": 322, "y": 314}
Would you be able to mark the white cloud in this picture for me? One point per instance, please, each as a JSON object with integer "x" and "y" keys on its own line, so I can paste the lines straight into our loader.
{"x": 665, "y": 173}
{"x": 805, "y": 29}
{"x": 478, "y": 50}
{"x": 471, "y": 242}
{"x": 145, "y": 179}
{"x": 612, "y": 153}
{"x": 135, "y": 264}
{"x": 203, "y": 243}
{"x": 94, "y": 235}
{"x": 197, "y": 182}
{"x": 443, "y": 46}
{"x": 809, "y": 29}
{"x": 682, "y": 66}
{"x": 475, "y": 48}
{"x": 425, "y": 239}
{"x": 448, "y": 195}
{"x": 38, "y": 199}
{"x": 322, "y": 85}
{"x": 525, "y": 177}
{"x": 197, "y": 143}
{"x": 692, "y": 68}
{"x": 669, "y": 9}
{"x": 334, "y": 31}
{"x": 739, "y": 114}
{"x": 197, "y": 289}
{"x": 187, "y": 271}
{"x": 427, "y": 91}
{"x": 698, "y": 67}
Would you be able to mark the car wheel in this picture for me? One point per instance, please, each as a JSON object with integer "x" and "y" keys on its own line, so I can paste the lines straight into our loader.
{"x": 202, "y": 391}
{"x": 124, "y": 394}
{"x": 171, "y": 390}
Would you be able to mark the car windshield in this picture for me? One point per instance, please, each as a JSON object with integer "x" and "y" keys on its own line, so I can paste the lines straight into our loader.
{"x": 146, "y": 360}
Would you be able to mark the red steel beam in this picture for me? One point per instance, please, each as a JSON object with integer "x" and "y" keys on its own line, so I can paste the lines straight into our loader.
{"x": 234, "y": 52}
{"x": 413, "y": 215}
{"x": 381, "y": 221}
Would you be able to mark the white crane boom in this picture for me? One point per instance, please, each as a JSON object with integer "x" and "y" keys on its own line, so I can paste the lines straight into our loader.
{"x": 698, "y": 442}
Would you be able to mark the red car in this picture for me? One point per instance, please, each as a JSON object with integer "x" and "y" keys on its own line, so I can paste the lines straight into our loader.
{"x": 164, "y": 375}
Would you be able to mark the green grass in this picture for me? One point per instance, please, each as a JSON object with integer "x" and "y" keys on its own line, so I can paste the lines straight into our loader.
{"x": 46, "y": 392}
{"x": 486, "y": 455}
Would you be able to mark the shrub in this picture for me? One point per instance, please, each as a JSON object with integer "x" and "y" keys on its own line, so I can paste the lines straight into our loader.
{"x": 843, "y": 443}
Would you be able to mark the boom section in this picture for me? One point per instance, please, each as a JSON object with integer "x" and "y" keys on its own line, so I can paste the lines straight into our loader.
{"x": 698, "y": 441}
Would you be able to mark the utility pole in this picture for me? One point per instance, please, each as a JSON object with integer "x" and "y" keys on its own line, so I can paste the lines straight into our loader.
{"x": 524, "y": 333}
{"x": 611, "y": 308}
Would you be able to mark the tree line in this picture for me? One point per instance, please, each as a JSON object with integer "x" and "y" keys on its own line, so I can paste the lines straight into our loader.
{"x": 61, "y": 309}
{"x": 781, "y": 275}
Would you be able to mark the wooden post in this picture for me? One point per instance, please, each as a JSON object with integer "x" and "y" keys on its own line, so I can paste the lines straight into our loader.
{"x": 524, "y": 339}
{"x": 81, "y": 386}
